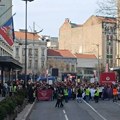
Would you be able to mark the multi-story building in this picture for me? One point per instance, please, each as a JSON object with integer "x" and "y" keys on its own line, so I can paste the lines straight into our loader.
{"x": 8, "y": 64}
{"x": 97, "y": 36}
{"x": 52, "y": 42}
{"x": 86, "y": 66}
{"x": 64, "y": 60}
{"x": 5, "y": 15}
{"x": 118, "y": 32}
{"x": 36, "y": 52}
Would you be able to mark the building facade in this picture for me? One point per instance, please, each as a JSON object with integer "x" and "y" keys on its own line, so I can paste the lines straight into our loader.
{"x": 5, "y": 15}
{"x": 36, "y": 52}
{"x": 8, "y": 65}
{"x": 118, "y": 32}
{"x": 97, "y": 36}
{"x": 64, "y": 60}
{"x": 86, "y": 66}
{"x": 52, "y": 43}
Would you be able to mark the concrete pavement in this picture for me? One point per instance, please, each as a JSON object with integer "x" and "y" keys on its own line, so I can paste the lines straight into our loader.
{"x": 25, "y": 112}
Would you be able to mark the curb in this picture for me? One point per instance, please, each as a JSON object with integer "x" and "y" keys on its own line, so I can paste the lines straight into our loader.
{"x": 29, "y": 111}
{"x": 26, "y": 112}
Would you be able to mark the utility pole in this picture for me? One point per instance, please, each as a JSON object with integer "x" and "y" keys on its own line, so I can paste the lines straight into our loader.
{"x": 98, "y": 66}
{"x": 98, "y": 62}
{"x": 33, "y": 56}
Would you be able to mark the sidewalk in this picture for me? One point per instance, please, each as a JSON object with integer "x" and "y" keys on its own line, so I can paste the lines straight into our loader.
{"x": 25, "y": 113}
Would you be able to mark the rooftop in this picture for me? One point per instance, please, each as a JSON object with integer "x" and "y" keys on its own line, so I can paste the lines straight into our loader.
{"x": 88, "y": 56}
{"x": 60, "y": 53}
{"x": 30, "y": 36}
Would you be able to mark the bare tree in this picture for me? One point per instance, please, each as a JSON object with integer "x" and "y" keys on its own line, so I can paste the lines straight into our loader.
{"x": 107, "y": 8}
{"x": 111, "y": 8}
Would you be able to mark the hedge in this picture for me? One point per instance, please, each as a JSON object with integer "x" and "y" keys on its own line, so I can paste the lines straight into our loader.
{"x": 8, "y": 105}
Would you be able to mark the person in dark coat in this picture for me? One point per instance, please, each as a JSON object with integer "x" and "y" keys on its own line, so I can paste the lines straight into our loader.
{"x": 59, "y": 102}
{"x": 79, "y": 95}
{"x": 30, "y": 94}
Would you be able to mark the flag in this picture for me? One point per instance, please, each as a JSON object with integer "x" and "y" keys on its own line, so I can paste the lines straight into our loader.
{"x": 7, "y": 31}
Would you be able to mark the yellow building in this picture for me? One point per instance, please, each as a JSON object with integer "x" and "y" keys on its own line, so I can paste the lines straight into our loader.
{"x": 97, "y": 35}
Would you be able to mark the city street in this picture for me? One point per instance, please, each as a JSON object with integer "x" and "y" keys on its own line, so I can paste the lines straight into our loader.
{"x": 104, "y": 110}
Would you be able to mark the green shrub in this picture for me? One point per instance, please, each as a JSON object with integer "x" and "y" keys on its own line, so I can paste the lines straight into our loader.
{"x": 3, "y": 112}
{"x": 8, "y": 105}
{"x": 19, "y": 99}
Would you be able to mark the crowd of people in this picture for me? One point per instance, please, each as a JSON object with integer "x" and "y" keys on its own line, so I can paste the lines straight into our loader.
{"x": 85, "y": 91}
{"x": 65, "y": 91}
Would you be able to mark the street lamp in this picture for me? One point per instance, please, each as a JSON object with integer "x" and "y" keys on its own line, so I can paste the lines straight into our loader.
{"x": 98, "y": 60}
{"x": 25, "y": 82}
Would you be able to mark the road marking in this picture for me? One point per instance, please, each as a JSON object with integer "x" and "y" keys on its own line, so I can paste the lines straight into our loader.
{"x": 64, "y": 111}
{"x": 66, "y": 117}
{"x": 95, "y": 111}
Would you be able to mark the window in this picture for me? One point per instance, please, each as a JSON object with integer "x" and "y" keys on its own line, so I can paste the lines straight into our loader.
{"x": 17, "y": 51}
{"x": 36, "y": 64}
{"x": 67, "y": 67}
{"x": 109, "y": 56}
{"x": 23, "y": 51}
{"x": 111, "y": 37}
{"x": 36, "y": 52}
{"x": 107, "y": 50}
{"x": 43, "y": 52}
{"x": 88, "y": 71}
{"x": 72, "y": 68}
{"x": 30, "y": 52}
{"x": 111, "y": 50}
{"x": 42, "y": 64}
{"x": 30, "y": 64}
{"x": 107, "y": 61}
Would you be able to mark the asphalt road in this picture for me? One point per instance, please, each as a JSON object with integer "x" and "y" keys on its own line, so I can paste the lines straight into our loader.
{"x": 104, "y": 110}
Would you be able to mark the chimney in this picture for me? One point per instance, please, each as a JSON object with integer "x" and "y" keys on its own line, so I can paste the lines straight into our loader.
{"x": 67, "y": 20}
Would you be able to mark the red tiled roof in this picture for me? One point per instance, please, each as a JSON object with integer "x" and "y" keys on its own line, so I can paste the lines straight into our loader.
{"x": 21, "y": 35}
{"x": 91, "y": 56}
{"x": 62, "y": 53}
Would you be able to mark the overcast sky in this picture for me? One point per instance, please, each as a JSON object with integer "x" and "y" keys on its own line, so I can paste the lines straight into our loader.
{"x": 49, "y": 15}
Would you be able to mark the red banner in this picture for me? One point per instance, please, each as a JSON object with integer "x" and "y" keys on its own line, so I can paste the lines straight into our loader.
{"x": 44, "y": 94}
{"x": 107, "y": 77}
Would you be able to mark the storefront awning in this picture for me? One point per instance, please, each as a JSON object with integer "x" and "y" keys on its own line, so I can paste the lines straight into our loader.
{"x": 9, "y": 62}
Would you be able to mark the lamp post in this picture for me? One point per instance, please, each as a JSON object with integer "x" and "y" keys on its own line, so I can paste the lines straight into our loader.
{"x": 25, "y": 82}
{"x": 98, "y": 59}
